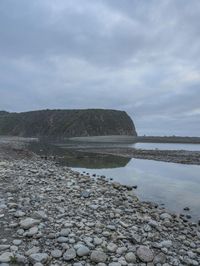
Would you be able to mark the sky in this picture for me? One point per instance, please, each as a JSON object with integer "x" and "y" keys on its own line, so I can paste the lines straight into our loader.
{"x": 141, "y": 56}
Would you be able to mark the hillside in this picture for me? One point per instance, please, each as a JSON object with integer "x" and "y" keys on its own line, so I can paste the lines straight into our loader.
{"x": 66, "y": 123}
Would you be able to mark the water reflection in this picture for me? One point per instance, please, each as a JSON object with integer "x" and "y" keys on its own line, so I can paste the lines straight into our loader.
{"x": 74, "y": 158}
{"x": 175, "y": 185}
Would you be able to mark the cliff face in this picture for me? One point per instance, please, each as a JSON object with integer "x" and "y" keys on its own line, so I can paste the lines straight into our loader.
{"x": 67, "y": 123}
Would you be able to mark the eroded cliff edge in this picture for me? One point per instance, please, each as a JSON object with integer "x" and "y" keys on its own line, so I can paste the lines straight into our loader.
{"x": 67, "y": 123}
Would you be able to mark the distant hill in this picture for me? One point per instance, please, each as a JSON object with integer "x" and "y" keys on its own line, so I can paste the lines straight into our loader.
{"x": 66, "y": 123}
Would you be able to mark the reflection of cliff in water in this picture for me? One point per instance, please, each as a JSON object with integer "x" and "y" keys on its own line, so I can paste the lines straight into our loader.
{"x": 75, "y": 158}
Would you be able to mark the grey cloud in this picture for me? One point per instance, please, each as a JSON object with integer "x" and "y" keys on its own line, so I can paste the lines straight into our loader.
{"x": 140, "y": 56}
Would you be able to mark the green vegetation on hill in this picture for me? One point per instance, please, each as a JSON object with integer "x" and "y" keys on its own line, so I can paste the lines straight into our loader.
{"x": 66, "y": 123}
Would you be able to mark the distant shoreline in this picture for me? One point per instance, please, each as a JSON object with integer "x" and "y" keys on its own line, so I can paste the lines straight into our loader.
{"x": 141, "y": 139}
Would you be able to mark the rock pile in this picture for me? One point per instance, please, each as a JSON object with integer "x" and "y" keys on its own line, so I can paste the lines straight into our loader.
{"x": 51, "y": 215}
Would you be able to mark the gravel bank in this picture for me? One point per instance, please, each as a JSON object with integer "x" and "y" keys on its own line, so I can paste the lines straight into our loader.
{"x": 51, "y": 215}
{"x": 173, "y": 156}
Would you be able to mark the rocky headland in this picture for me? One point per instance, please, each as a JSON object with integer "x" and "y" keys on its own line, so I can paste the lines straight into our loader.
{"x": 51, "y": 215}
{"x": 67, "y": 123}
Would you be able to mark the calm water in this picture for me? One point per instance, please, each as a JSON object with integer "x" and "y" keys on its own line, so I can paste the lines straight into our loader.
{"x": 166, "y": 146}
{"x": 174, "y": 185}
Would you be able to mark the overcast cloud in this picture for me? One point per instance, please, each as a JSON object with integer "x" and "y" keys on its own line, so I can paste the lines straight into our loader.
{"x": 141, "y": 56}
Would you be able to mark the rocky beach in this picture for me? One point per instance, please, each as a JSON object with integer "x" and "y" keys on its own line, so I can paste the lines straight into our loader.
{"x": 51, "y": 215}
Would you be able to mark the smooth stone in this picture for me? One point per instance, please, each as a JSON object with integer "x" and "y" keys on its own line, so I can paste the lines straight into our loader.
{"x": 97, "y": 241}
{"x": 32, "y": 251}
{"x": 28, "y": 223}
{"x": 17, "y": 242}
{"x": 130, "y": 257}
{"x": 32, "y": 231}
{"x": 83, "y": 251}
{"x": 69, "y": 254}
{"x": 56, "y": 253}
{"x": 62, "y": 239}
{"x": 121, "y": 250}
{"x": 114, "y": 264}
{"x": 39, "y": 257}
{"x": 40, "y": 215}
{"x": 64, "y": 232}
{"x": 112, "y": 247}
{"x": 165, "y": 215}
{"x": 160, "y": 258}
{"x": 4, "y": 247}
{"x": 98, "y": 256}
{"x": 18, "y": 214}
{"x": 6, "y": 257}
{"x": 144, "y": 254}
{"x": 166, "y": 243}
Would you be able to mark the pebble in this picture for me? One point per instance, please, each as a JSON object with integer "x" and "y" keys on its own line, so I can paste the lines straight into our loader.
{"x": 98, "y": 256}
{"x": 28, "y": 223}
{"x": 6, "y": 257}
{"x": 130, "y": 257}
{"x": 144, "y": 254}
{"x": 56, "y": 253}
{"x": 69, "y": 254}
{"x": 83, "y": 251}
{"x": 39, "y": 257}
{"x": 56, "y": 216}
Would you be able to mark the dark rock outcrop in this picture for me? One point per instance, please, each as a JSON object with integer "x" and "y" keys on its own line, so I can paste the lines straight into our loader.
{"x": 67, "y": 123}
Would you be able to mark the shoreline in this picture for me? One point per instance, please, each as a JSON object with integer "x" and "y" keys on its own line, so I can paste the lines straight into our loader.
{"x": 172, "y": 156}
{"x": 55, "y": 216}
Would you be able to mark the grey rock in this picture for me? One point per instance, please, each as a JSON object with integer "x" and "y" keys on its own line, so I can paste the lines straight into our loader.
{"x": 144, "y": 254}
{"x": 17, "y": 242}
{"x": 130, "y": 257}
{"x": 19, "y": 213}
{"x": 165, "y": 215}
{"x": 65, "y": 232}
{"x": 69, "y": 254}
{"x": 62, "y": 239}
{"x": 111, "y": 247}
{"x": 4, "y": 247}
{"x": 39, "y": 257}
{"x": 28, "y": 223}
{"x": 56, "y": 253}
{"x": 98, "y": 256}
{"x": 83, "y": 251}
{"x": 166, "y": 243}
{"x": 32, "y": 251}
{"x": 6, "y": 257}
{"x": 160, "y": 258}
{"x": 97, "y": 241}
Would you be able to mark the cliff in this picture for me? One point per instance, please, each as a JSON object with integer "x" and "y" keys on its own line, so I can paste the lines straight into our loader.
{"x": 66, "y": 123}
